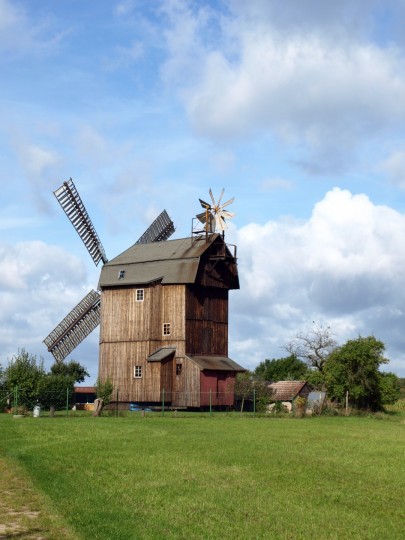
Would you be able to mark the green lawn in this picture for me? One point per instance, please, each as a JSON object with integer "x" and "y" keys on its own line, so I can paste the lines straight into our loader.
{"x": 215, "y": 477}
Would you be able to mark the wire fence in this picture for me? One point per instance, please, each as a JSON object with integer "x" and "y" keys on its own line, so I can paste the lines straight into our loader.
{"x": 67, "y": 402}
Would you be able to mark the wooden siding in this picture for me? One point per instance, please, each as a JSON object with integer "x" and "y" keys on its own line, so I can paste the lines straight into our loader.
{"x": 206, "y": 321}
{"x": 186, "y": 388}
{"x": 131, "y": 331}
{"x": 217, "y": 387}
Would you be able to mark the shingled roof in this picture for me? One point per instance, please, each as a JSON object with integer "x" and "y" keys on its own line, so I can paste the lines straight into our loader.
{"x": 170, "y": 262}
{"x": 286, "y": 390}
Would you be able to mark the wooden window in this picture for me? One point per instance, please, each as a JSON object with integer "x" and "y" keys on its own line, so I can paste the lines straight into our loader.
{"x": 137, "y": 372}
{"x": 121, "y": 274}
{"x": 140, "y": 295}
{"x": 166, "y": 329}
{"x": 179, "y": 367}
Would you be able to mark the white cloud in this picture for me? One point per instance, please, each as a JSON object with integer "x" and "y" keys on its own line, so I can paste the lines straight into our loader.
{"x": 39, "y": 285}
{"x": 319, "y": 86}
{"x": 345, "y": 267}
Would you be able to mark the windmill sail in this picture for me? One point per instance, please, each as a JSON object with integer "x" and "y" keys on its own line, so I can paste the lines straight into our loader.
{"x": 75, "y": 327}
{"x": 161, "y": 229}
{"x": 72, "y": 205}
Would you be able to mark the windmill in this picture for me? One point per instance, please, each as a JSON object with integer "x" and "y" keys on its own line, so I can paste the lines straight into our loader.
{"x": 85, "y": 317}
{"x": 214, "y": 217}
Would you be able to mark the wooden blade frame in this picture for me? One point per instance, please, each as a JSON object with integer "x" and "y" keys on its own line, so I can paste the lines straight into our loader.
{"x": 72, "y": 205}
{"x": 75, "y": 327}
{"x": 161, "y": 229}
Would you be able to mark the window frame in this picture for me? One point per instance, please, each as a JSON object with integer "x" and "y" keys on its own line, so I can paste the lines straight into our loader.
{"x": 138, "y": 372}
{"x": 167, "y": 331}
{"x": 138, "y": 294}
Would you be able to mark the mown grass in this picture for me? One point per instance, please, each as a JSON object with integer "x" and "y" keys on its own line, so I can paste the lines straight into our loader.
{"x": 216, "y": 477}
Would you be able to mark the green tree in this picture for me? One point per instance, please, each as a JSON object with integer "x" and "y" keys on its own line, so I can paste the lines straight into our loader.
{"x": 354, "y": 368}
{"x": 389, "y": 388}
{"x": 281, "y": 369}
{"x": 25, "y": 372}
{"x": 104, "y": 391}
{"x": 248, "y": 388}
{"x": 71, "y": 369}
{"x": 57, "y": 387}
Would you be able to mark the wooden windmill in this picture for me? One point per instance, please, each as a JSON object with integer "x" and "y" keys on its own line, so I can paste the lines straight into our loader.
{"x": 163, "y": 309}
{"x": 85, "y": 317}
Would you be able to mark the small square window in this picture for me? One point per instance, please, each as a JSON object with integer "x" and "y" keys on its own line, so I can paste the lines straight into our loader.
{"x": 179, "y": 367}
{"x": 140, "y": 295}
{"x": 166, "y": 329}
{"x": 137, "y": 372}
{"x": 121, "y": 274}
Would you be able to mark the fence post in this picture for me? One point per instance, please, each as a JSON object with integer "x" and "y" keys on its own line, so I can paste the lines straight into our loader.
{"x": 254, "y": 401}
{"x": 67, "y": 401}
{"x": 210, "y": 402}
{"x": 116, "y": 406}
{"x": 15, "y": 399}
{"x": 163, "y": 401}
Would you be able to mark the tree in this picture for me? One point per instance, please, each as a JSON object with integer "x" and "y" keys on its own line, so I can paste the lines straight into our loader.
{"x": 390, "y": 388}
{"x": 57, "y": 387}
{"x": 281, "y": 369}
{"x": 104, "y": 390}
{"x": 72, "y": 369}
{"x": 313, "y": 346}
{"x": 247, "y": 388}
{"x": 25, "y": 372}
{"x": 354, "y": 368}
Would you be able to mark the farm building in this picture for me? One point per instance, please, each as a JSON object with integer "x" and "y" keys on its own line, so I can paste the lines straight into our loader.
{"x": 287, "y": 391}
{"x": 164, "y": 322}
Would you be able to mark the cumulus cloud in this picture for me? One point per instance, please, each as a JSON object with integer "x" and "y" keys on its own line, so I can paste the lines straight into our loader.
{"x": 39, "y": 285}
{"x": 344, "y": 267}
{"x": 313, "y": 83}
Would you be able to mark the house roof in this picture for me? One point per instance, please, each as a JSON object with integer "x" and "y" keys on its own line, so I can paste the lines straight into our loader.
{"x": 216, "y": 363}
{"x": 85, "y": 389}
{"x": 286, "y": 390}
{"x": 170, "y": 262}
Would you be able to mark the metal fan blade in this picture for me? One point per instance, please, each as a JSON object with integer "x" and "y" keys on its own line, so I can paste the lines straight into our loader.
{"x": 212, "y": 197}
{"x": 220, "y": 223}
{"x": 205, "y": 204}
{"x": 202, "y": 217}
{"x": 226, "y": 214}
{"x": 227, "y": 202}
{"x": 220, "y": 197}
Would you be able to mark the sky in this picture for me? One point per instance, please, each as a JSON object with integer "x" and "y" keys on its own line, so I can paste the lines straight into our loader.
{"x": 296, "y": 108}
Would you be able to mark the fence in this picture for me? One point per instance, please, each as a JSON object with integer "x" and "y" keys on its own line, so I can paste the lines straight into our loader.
{"x": 64, "y": 403}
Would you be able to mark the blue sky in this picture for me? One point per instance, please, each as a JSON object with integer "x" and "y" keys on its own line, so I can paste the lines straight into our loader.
{"x": 296, "y": 108}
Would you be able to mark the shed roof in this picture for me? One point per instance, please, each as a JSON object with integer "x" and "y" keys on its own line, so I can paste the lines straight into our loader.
{"x": 216, "y": 363}
{"x": 161, "y": 354}
{"x": 286, "y": 390}
{"x": 171, "y": 261}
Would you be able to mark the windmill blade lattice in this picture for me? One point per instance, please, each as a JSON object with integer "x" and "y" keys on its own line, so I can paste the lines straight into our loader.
{"x": 75, "y": 327}
{"x": 71, "y": 203}
{"x": 161, "y": 229}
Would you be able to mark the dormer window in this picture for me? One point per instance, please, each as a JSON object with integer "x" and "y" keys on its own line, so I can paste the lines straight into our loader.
{"x": 121, "y": 274}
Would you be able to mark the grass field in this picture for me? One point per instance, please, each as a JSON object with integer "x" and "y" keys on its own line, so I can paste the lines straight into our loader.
{"x": 204, "y": 477}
